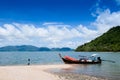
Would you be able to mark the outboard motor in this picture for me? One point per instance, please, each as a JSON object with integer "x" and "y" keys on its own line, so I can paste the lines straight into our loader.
{"x": 99, "y": 59}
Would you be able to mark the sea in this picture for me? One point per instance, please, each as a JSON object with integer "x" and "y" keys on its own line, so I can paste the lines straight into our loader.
{"x": 107, "y": 69}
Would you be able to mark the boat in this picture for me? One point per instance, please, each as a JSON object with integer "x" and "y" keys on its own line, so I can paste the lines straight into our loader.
{"x": 71, "y": 60}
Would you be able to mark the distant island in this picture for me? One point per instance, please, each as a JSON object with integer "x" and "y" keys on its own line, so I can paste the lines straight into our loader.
{"x": 109, "y": 41}
{"x": 32, "y": 48}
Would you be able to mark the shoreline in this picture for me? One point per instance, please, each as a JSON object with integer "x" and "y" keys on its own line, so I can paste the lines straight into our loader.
{"x": 41, "y": 72}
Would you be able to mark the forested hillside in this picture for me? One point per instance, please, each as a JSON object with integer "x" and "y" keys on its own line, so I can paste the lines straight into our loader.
{"x": 109, "y": 41}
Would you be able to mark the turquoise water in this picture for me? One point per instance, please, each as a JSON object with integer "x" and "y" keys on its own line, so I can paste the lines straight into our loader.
{"x": 106, "y": 69}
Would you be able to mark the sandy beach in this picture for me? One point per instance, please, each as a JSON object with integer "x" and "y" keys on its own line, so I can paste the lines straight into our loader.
{"x": 40, "y": 72}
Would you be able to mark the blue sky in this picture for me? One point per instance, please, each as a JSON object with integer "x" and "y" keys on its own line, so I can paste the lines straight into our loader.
{"x": 37, "y": 11}
{"x": 56, "y": 23}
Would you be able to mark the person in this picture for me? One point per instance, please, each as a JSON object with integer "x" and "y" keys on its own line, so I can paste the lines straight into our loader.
{"x": 28, "y": 61}
{"x": 93, "y": 58}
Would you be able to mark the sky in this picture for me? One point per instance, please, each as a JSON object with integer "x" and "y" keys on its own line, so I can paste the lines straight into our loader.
{"x": 56, "y": 23}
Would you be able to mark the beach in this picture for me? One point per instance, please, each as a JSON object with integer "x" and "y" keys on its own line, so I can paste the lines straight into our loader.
{"x": 40, "y": 72}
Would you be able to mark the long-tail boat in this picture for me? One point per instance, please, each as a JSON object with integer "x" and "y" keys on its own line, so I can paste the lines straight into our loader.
{"x": 71, "y": 60}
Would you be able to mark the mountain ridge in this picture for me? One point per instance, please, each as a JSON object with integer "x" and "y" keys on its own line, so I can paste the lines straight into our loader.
{"x": 32, "y": 48}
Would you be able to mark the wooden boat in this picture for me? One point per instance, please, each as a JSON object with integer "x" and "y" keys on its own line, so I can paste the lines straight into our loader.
{"x": 70, "y": 60}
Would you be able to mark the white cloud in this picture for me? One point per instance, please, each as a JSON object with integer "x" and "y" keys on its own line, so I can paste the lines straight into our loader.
{"x": 18, "y": 34}
{"x": 106, "y": 20}
{"x": 52, "y": 23}
{"x": 57, "y": 34}
{"x": 86, "y": 33}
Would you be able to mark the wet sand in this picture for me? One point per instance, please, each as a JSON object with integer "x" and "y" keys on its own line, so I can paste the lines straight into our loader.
{"x": 40, "y": 72}
{"x": 74, "y": 76}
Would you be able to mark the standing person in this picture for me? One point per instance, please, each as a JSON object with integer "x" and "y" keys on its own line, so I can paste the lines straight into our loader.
{"x": 28, "y": 61}
{"x": 93, "y": 57}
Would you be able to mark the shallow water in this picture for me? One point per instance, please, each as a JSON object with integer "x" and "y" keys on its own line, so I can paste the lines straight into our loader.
{"x": 106, "y": 69}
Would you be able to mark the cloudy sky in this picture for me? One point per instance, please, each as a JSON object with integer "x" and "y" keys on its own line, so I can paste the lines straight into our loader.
{"x": 56, "y": 23}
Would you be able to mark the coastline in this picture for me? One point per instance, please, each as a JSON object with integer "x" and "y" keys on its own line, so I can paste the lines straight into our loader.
{"x": 41, "y": 72}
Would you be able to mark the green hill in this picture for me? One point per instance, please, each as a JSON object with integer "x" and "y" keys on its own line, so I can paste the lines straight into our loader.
{"x": 109, "y": 41}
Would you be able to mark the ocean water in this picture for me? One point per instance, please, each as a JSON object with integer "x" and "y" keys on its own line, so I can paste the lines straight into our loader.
{"x": 105, "y": 70}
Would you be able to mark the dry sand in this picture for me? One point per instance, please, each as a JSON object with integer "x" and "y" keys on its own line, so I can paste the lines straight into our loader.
{"x": 38, "y": 72}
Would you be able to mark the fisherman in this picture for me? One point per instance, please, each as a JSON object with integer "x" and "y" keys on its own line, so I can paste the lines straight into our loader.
{"x": 93, "y": 58}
